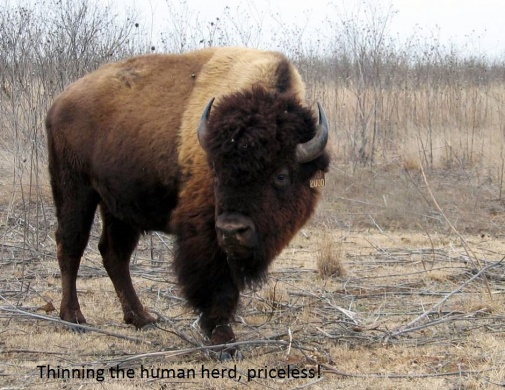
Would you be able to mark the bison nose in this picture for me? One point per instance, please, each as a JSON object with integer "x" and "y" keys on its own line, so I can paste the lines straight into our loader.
{"x": 235, "y": 230}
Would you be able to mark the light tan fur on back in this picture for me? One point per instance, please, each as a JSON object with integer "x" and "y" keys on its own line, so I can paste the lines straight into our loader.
{"x": 227, "y": 71}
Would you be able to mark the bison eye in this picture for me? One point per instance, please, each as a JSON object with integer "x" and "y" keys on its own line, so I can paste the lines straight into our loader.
{"x": 282, "y": 178}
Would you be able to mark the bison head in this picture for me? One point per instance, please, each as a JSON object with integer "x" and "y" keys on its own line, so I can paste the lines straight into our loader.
{"x": 263, "y": 148}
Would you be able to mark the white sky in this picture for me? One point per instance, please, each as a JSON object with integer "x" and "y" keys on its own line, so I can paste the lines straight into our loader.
{"x": 477, "y": 24}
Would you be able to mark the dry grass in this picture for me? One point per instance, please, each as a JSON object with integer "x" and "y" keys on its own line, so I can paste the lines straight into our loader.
{"x": 440, "y": 127}
{"x": 329, "y": 257}
{"x": 391, "y": 198}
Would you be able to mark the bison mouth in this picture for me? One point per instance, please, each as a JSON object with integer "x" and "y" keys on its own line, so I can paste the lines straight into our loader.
{"x": 237, "y": 237}
{"x": 237, "y": 252}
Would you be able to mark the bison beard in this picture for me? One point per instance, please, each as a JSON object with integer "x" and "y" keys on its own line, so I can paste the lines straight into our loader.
{"x": 249, "y": 272}
{"x": 233, "y": 205}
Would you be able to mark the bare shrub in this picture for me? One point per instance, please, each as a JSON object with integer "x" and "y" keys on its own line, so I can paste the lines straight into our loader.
{"x": 45, "y": 46}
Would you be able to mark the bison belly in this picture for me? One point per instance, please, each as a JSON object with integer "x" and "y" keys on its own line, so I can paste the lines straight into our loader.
{"x": 143, "y": 203}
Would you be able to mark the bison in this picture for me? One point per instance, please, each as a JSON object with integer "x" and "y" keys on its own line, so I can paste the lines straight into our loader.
{"x": 216, "y": 147}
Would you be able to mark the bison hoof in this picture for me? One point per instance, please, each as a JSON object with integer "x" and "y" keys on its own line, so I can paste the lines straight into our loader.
{"x": 140, "y": 320}
{"x": 148, "y": 327}
{"x": 75, "y": 317}
{"x": 78, "y": 329}
{"x": 223, "y": 334}
{"x": 230, "y": 354}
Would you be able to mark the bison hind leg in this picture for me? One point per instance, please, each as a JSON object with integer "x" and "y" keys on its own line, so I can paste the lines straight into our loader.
{"x": 75, "y": 207}
{"x": 117, "y": 243}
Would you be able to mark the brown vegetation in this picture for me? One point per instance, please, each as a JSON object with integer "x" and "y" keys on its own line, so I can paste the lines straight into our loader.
{"x": 329, "y": 257}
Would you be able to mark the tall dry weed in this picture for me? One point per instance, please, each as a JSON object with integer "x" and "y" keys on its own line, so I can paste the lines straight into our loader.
{"x": 329, "y": 257}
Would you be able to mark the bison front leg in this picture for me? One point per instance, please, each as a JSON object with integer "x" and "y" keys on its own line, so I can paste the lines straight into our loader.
{"x": 207, "y": 284}
{"x": 217, "y": 314}
{"x": 116, "y": 245}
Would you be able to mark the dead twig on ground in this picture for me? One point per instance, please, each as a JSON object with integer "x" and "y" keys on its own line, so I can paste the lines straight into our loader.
{"x": 79, "y": 327}
{"x": 411, "y": 325}
{"x": 188, "y": 351}
{"x": 468, "y": 249}
{"x": 332, "y": 370}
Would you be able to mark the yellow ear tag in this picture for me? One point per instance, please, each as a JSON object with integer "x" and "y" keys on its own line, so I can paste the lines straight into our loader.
{"x": 318, "y": 180}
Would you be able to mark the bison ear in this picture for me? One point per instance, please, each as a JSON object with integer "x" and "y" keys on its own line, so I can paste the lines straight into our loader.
{"x": 202, "y": 127}
{"x": 312, "y": 149}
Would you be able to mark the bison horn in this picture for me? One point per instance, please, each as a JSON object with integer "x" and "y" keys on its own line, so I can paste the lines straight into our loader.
{"x": 202, "y": 127}
{"x": 312, "y": 149}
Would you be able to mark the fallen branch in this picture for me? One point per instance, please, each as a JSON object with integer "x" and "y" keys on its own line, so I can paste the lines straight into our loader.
{"x": 332, "y": 370}
{"x": 85, "y": 328}
{"x": 411, "y": 325}
{"x": 188, "y": 351}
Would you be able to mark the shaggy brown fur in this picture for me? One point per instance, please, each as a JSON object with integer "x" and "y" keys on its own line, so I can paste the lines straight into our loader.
{"x": 124, "y": 138}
